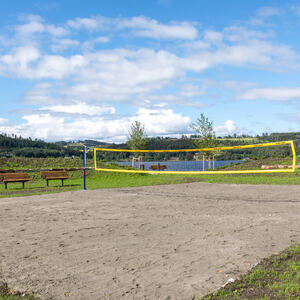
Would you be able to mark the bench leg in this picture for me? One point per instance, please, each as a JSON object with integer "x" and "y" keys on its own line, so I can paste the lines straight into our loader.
{"x": 47, "y": 182}
{"x": 62, "y": 182}
{"x": 23, "y": 184}
{"x": 5, "y": 185}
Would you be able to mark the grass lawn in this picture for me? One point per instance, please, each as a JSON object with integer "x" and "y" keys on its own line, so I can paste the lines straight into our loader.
{"x": 276, "y": 277}
{"x": 97, "y": 180}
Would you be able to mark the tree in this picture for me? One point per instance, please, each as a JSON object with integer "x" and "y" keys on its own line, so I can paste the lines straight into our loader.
{"x": 137, "y": 138}
{"x": 205, "y": 133}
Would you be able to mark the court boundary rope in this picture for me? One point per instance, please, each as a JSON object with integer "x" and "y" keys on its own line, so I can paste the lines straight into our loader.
{"x": 291, "y": 143}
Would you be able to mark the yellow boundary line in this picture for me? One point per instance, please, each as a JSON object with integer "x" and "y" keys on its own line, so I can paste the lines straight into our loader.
{"x": 202, "y": 149}
{"x": 199, "y": 149}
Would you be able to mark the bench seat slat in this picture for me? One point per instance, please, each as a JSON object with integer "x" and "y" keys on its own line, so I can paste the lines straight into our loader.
{"x": 14, "y": 177}
{"x": 57, "y": 177}
{"x": 16, "y": 180}
{"x": 54, "y": 175}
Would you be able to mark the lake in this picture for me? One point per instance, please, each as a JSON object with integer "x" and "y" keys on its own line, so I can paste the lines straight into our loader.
{"x": 181, "y": 165}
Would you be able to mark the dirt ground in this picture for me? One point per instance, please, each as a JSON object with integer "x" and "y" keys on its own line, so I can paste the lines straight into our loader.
{"x": 156, "y": 242}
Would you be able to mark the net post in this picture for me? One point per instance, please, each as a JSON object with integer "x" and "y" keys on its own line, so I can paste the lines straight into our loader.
{"x": 294, "y": 155}
{"x": 95, "y": 159}
{"x": 84, "y": 166}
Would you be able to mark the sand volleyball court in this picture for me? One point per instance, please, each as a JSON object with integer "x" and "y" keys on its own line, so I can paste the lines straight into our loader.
{"x": 156, "y": 242}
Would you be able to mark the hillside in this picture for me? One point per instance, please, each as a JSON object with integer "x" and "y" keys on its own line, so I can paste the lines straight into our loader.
{"x": 27, "y": 147}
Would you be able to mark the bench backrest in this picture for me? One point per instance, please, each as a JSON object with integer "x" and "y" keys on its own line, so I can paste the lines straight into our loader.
{"x": 12, "y": 176}
{"x": 61, "y": 173}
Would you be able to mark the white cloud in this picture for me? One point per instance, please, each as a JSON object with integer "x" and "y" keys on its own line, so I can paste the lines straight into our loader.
{"x": 150, "y": 28}
{"x": 245, "y": 48}
{"x": 157, "y": 122}
{"x": 27, "y": 62}
{"x": 17, "y": 62}
{"x": 197, "y": 45}
{"x": 38, "y": 95}
{"x": 3, "y": 121}
{"x": 119, "y": 74}
{"x": 63, "y": 44}
{"x": 256, "y": 21}
{"x": 57, "y": 67}
{"x": 57, "y": 31}
{"x": 80, "y": 108}
{"x": 34, "y": 25}
{"x": 190, "y": 91}
{"x": 101, "y": 39}
{"x": 91, "y": 82}
{"x": 228, "y": 128}
{"x": 213, "y": 36}
{"x": 89, "y": 45}
{"x": 262, "y": 15}
{"x": 141, "y": 26}
{"x": 272, "y": 94}
{"x": 253, "y": 53}
{"x": 161, "y": 121}
{"x": 84, "y": 23}
{"x": 235, "y": 85}
{"x": 268, "y": 11}
{"x": 242, "y": 34}
{"x": 181, "y": 98}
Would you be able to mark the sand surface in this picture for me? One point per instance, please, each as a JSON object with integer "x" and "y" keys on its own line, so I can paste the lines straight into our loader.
{"x": 157, "y": 242}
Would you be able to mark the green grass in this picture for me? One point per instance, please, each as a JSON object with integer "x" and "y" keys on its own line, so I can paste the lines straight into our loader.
{"x": 7, "y": 293}
{"x": 22, "y": 163}
{"x": 277, "y": 277}
{"x": 256, "y": 164}
{"x": 98, "y": 180}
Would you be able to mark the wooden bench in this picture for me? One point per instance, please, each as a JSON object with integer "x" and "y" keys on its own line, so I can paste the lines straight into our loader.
{"x": 55, "y": 175}
{"x": 158, "y": 167}
{"x": 14, "y": 177}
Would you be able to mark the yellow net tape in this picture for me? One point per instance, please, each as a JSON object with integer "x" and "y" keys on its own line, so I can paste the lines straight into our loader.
{"x": 291, "y": 143}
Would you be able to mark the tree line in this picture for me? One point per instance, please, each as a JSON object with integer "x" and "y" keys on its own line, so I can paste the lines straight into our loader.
{"x": 27, "y": 147}
{"x": 204, "y": 137}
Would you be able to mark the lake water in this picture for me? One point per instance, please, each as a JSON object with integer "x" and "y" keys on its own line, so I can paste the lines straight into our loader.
{"x": 181, "y": 165}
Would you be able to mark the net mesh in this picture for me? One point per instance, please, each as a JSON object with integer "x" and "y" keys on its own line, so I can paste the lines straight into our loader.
{"x": 254, "y": 158}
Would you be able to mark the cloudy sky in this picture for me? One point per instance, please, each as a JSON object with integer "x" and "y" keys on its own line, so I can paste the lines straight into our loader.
{"x": 87, "y": 69}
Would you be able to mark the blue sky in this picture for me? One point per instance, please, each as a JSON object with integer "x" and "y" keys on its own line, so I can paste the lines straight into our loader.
{"x": 86, "y": 70}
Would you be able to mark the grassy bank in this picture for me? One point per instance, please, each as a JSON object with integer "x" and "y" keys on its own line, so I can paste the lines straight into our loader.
{"x": 19, "y": 163}
{"x": 276, "y": 277}
{"x": 97, "y": 180}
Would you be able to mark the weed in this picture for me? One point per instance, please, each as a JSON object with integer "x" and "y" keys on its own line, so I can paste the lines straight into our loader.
{"x": 276, "y": 277}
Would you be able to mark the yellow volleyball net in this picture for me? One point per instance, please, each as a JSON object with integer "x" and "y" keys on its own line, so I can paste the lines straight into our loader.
{"x": 193, "y": 161}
